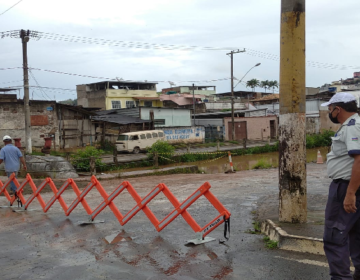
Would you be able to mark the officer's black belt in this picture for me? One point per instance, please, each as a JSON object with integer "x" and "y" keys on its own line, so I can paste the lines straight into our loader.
{"x": 347, "y": 182}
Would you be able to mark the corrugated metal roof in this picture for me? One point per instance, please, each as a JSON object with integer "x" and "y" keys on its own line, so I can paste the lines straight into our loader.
{"x": 118, "y": 119}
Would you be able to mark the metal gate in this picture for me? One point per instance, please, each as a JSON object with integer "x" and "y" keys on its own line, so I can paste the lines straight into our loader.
{"x": 214, "y": 133}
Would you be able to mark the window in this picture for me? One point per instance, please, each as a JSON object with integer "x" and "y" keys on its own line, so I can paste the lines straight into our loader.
{"x": 148, "y": 135}
{"x": 130, "y": 104}
{"x": 159, "y": 121}
{"x": 154, "y": 135}
{"x": 116, "y": 104}
{"x": 123, "y": 138}
{"x": 147, "y": 103}
{"x": 134, "y": 137}
{"x": 161, "y": 134}
{"x": 142, "y": 136}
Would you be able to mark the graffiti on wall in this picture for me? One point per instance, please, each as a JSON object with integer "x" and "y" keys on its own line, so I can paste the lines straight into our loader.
{"x": 184, "y": 134}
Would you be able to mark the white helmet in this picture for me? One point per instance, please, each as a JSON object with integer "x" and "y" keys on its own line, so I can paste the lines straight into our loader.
{"x": 7, "y": 138}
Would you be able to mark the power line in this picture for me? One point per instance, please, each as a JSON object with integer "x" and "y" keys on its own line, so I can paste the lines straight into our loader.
{"x": 143, "y": 45}
{"x": 10, "y": 7}
{"x": 33, "y": 77}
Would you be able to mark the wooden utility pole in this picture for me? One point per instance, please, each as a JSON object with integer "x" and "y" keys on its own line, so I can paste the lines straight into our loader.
{"x": 232, "y": 91}
{"x": 24, "y": 36}
{"x": 292, "y": 130}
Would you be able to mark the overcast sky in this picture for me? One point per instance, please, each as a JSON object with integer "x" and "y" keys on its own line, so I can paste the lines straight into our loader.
{"x": 332, "y": 28}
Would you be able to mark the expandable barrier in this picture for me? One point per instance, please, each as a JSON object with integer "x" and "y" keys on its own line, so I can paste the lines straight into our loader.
{"x": 141, "y": 203}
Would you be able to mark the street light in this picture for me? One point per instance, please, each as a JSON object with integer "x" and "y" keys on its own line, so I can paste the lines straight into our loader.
{"x": 232, "y": 97}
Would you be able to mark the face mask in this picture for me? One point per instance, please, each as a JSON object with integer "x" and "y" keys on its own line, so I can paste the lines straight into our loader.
{"x": 333, "y": 119}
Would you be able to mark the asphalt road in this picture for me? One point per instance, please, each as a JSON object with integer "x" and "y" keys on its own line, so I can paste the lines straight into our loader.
{"x": 35, "y": 245}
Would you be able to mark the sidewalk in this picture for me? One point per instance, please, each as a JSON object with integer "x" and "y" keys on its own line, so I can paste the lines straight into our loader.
{"x": 299, "y": 237}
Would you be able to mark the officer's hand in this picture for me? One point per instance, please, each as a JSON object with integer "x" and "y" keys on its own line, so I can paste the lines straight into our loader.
{"x": 350, "y": 203}
{"x": 24, "y": 167}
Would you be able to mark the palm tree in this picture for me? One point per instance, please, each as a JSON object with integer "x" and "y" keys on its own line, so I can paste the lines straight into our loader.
{"x": 253, "y": 83}
{"x": 265, "y": 84}
{"x": 273, "y": 84}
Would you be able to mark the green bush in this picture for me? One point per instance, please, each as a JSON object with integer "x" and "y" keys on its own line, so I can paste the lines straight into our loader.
{"x": 319, "y": 140}
{"x": 81, "y": 159}
{"x": 163, "y": 148}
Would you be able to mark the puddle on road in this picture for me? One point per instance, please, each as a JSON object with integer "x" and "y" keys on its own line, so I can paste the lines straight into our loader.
{"x": 206, "y": 257}
{"x": 245, "y": 162}
{"x": 117, "y": 238}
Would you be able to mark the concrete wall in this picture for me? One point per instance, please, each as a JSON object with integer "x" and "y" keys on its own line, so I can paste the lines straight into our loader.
{"x": 66, "y": 125}
{"x": 184, "y": 134}
{"x": 91, "y": 98}
{"x": 172, "y": 117}
{"x": 12, "y": 121}
{"x": 258, "y": 128}
{"x": 312, "y": 125}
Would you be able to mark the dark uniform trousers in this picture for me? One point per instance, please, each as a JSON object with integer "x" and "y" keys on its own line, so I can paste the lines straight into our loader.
{"x": 341, "y": 233}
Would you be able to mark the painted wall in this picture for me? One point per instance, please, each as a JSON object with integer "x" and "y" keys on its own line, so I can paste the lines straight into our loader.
{"x": 224, "y": 105}
{"x": 258, "y": 128}
{"x": 130, "y": 93}
{"x": 172, "y": 117}
{"x": 184, "y": 134}
{"x": 200, "y": 92}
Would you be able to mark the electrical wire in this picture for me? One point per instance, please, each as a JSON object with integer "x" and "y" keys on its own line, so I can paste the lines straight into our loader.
{"x": 138, "y": 45}
{"x": 10, "y": 7}
{"x": 43, "y": 92}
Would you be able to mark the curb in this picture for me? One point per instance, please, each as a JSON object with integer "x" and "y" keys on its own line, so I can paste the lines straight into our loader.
{"x": 290, "y": 242}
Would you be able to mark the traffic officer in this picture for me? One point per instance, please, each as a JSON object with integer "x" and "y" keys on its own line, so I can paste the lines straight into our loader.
{"x": 342, "y": 214}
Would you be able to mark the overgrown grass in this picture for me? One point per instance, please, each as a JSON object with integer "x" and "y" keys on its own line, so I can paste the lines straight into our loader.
{"x": 270, "y": 244}
{"x": 256, "y": 229}
{"x": 262, "y": 164}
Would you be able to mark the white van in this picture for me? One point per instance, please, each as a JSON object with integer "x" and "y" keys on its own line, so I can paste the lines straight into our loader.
{"x": 139, "y": 140}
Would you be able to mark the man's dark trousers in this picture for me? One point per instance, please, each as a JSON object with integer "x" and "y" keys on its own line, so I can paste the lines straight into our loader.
{"x": 341, "y": 233}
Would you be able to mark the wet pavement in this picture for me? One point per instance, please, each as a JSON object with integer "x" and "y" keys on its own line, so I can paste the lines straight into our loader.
{"x": 52, "y": 246}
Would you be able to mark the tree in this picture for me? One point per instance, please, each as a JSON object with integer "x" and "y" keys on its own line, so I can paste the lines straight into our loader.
{"x": 253, "y": 83}
{"x": 273, "y": 84}
{"x": 265, "y": 84}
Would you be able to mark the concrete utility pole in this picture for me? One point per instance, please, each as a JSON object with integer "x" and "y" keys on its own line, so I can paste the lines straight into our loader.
{"x": 292, "y": 132}
{"x": 232, "y": 91}
{"x": 24, "y": 36}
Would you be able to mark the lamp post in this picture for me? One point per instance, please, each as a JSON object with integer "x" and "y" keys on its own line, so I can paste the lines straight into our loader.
{"x": 232, "y": 97}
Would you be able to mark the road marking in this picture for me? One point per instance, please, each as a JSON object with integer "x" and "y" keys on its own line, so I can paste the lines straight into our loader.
{"x": 306, "y": 261}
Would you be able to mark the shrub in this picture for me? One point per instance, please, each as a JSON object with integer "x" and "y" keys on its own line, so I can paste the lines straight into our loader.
{"x": 163, "y": 148}
{"x": 81, "y": 159}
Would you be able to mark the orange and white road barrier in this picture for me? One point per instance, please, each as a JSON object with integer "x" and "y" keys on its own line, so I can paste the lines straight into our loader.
{"x": 319, "y": 158}
{"x": 140, "y": 203}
